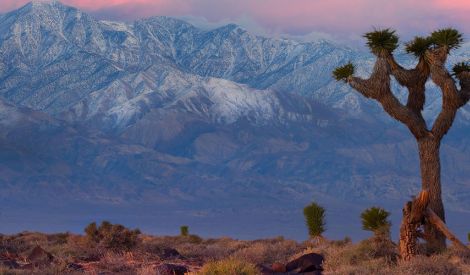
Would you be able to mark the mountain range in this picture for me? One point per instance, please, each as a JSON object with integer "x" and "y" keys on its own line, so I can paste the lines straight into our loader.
{"x": 158, "y": 123}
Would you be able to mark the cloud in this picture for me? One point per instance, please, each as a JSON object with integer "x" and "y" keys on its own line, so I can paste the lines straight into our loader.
{"x": 295, "y": 17}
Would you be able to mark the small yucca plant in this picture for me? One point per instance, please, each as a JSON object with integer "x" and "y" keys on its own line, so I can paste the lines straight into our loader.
{"x": 382, "y": 40}
{"x": 451, "y": 38}
{"x": 460, "y": 68}
{"x": 184, "y": 230}
{"x": 418, "y": 46}
{"x": 375, "y": 219}
{"x": 344, "y": 72}
{"x": 315, "y": 220}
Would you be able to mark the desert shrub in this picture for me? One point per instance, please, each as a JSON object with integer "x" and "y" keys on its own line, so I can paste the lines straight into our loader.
{"x": 267, "y": 252}
{"x": 468, "y": 237}
{"x": 229, "y": 266}
{"x": 347, "y": 240}
{"x": 112, "y": 236}
{"x": 58, "y": 239}
{"x": 422, "y": 265}
{"x": 184, "y": 230}
{"x": 195, "y": 239}
{"x": 378, "y": 249}
{"x": 211, "y": 250}
{"x": 367, "y": 254}
{"x": 115, "y": 263}
{"x": 22, "y": 242}
{"x": 375, "y": 219}
{"x": 375, "y": 267}
{"x": 315, "y": 219}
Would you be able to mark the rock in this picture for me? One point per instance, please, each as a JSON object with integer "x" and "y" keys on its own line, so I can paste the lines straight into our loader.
{"x": 170, "y": 253}
{"x": 278, "y": 268}
{"x": 171, "y": 269}
{"x": 11, "y": 264}
{"x": 9, "y": 260}
{"x": 40, "y": 257}
{"x": 311, "y": 262}
{"x": 75, "y": 267}
{"x": 265, "y": 270}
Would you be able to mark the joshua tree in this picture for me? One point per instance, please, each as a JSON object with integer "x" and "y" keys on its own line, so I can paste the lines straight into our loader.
{"x": 431, "y": 53}
{"x": 375, "y": 219}
{"x": 315, "y": 220}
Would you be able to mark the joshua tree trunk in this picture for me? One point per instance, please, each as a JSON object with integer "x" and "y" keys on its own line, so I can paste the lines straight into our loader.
{"x": 431, "y": 181}
{"x": 414, "y": 213}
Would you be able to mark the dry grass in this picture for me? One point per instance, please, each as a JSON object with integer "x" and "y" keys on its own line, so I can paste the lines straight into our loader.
{"x": 230, "y": 266}
{"x": 226, "y": 255}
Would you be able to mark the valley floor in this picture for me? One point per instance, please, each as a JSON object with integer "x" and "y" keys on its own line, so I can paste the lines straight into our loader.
{"x": 66, "y": 253}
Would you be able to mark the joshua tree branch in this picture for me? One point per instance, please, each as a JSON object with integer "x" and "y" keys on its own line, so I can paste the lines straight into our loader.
{"x": 378, "y": 87}
{"x": 451, "y": 97}
{"x": 464, "y": 78}
{"x": 414, "y": 80}
{"x": 441, "y": 226}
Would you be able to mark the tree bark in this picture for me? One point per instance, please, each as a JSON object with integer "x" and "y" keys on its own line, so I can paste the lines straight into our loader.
{"x": 431, "y": 181}
{"x": 408, "y": 235}
{"x": 413, "y": 217}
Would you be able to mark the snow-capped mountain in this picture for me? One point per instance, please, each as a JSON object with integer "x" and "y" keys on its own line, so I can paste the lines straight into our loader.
{"x": 159, "y": 112}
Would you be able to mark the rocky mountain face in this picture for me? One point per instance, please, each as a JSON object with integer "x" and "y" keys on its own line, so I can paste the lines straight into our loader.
{"x": 160, "y": 120}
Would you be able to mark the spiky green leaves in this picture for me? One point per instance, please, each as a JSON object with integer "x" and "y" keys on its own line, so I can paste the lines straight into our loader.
{"x": 315, "y": 219}
{"x": 374, "y": 219}
{"x": 382, "y": 40}
{"x": 343, "y": 72}
{"x": 418, "y": 46}
{"x": 460, "y": 68}
{"x": 450, "y": 38}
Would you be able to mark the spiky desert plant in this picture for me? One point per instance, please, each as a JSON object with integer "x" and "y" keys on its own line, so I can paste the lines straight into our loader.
{"x": 315, "y": 220}
{"x": 375, "y": 219}
{"x": 382, "y": 40}
{"x": 432, "y": 53}
{"x": 468, "y": 237}
{"x": 343, "y": 72}
{"x": 418, "y": 46}
{"x": 460, "y": 68}
{"x": 450, "y": 38}
{"x": 184, "y": 230}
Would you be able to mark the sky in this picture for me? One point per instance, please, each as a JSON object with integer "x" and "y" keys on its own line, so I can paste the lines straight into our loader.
{"x": 293, "y": 17}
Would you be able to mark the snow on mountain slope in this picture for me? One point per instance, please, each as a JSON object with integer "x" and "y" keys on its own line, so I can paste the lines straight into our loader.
{"x": 55, "y": 55}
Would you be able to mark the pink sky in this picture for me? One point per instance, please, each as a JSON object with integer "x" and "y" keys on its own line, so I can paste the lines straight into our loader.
{"x": 293, "y": 16}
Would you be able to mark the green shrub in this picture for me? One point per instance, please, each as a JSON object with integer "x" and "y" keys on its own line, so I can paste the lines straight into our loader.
{"x": 315, "y": 219}
{"x": 375, "y": 219}
{"x": 229, "y": 267}
{"x": 184, "y": 230}
{"x": 112, "y": 236}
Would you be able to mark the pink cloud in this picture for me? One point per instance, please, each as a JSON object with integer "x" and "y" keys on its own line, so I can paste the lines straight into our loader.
{"x": 293, "y": 16}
